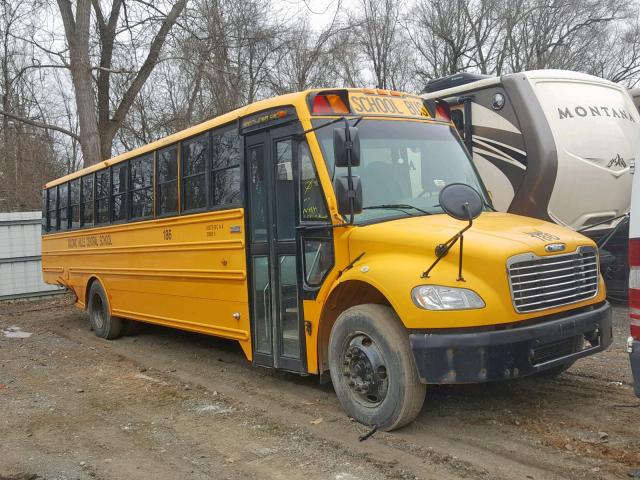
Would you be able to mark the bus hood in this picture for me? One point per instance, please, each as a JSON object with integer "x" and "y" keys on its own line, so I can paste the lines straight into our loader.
{"x": 493, "y": 236}
{"x": 397, "y": 254}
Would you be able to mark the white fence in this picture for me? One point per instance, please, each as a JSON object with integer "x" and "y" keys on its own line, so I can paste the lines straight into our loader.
{"x": 20, "y": 256}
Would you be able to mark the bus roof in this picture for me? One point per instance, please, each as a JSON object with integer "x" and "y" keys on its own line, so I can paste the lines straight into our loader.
{"x": 226, "y": 118}
{"x": 297, "y": 100}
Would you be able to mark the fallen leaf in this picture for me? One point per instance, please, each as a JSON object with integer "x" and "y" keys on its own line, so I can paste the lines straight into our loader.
{"x": 316, "y": 421}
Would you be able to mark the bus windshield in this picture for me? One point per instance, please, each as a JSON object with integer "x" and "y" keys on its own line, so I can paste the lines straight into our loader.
{"x": 403, "y": 166}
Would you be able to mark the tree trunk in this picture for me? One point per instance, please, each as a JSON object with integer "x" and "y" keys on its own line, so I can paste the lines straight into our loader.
{"x": 77, "y": 32}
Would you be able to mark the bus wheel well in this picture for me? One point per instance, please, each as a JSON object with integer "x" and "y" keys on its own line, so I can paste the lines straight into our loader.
{"x": 348, "y": 294}
{"x": 88, "y": 289}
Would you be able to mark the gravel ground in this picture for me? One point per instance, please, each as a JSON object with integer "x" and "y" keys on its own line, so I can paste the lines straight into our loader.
{"x": 166, "y": 404}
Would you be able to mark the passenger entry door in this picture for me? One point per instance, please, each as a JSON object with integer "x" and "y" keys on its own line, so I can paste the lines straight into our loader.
{"x": 276, "y": 316}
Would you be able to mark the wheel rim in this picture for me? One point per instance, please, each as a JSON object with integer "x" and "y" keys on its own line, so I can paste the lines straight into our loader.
{"x": 365, "y": 371}
{"x": 97, "y": 312}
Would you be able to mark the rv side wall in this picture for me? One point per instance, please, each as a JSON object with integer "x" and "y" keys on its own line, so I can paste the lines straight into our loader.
{"x": 597, "y": 134}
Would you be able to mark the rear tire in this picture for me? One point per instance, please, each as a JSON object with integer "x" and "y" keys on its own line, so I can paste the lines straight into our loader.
{"x": 102, "y": 323}
{"x": 373, "y": 369}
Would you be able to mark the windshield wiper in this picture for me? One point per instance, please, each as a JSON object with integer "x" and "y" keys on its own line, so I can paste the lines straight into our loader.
{"x": 397, "y": 206}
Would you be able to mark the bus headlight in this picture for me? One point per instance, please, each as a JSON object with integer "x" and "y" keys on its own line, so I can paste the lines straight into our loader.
{"x": 437, "y": 297}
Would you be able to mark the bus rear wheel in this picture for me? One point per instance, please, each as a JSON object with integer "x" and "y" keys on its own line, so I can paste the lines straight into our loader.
{"x": 372, "y": 367}
{"x": 104, "y": 325}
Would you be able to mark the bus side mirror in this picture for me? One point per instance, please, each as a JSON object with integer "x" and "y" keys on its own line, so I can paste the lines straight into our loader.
{"x": 341, "y": 146}
{"x": 460, "y": 201}
{"x": 341, "y": 187}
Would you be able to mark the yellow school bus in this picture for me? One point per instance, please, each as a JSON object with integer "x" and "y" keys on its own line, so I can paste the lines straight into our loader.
{"x": 343, "y": 233}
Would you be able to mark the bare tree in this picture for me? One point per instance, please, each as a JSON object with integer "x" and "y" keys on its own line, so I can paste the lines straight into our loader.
{"x": 559, "y": 33}
{"x": 618, "y": 58}
{"x": 307, "y": 59}
{"x": 28, "y": 155}
{"x": 98, "y": 122}
{"x": 377, "y": 32}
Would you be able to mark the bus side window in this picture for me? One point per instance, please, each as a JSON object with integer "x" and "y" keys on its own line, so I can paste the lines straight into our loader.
{"x": 313, "y": 207}
{"x": 63, "y": 206}
{"x": 102, "y": 197}
{"x": 86, "y": 204}
{"x": 318, "y": 259}
{"x": 194, "y": 165}
{"x": 119, "y": 192}
{"x": 141, "y": 187}
{"x": 44, "y": 211}
{"x": 225, "y": 167}
{"x": 285, "y": 190}
{"x": 74, "y": 205}
{"x": 167, "y": 181}
{"x": 52, "y": 206}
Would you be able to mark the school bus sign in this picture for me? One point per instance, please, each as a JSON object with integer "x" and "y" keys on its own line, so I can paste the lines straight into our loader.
{"x": 405, "y": 106}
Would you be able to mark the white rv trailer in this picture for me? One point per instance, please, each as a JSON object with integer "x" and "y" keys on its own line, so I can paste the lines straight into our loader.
{"x": 552, "y": 144}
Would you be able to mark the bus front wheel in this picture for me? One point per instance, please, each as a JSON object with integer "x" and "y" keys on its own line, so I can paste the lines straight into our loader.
{"x": 372, "y": 367}
{"x": 104, "y": 325}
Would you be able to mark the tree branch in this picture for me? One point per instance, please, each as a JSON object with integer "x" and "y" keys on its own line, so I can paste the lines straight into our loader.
{"x": 46, "y": 126}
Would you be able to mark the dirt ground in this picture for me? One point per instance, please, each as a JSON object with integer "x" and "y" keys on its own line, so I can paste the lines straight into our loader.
{"x": 166, "y": 404}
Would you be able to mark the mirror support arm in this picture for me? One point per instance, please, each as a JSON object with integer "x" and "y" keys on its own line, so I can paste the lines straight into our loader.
{"x": 442, "y": 249}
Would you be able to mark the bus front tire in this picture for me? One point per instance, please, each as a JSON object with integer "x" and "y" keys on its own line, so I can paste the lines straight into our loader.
{"x": 372, "y": 367}
{"x": 103, "y": 324}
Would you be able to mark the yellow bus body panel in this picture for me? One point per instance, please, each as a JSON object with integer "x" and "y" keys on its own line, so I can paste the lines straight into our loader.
{"x": 185, "y": 272}
{"x": 398, "y": 252}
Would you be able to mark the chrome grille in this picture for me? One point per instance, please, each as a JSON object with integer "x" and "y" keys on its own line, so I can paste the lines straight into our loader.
{"x": 538, "y": 283}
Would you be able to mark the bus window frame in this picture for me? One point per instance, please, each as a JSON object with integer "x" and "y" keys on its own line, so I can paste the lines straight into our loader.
{"x": 71, "y": 205}
{"x": 92, "y": 202}
{"x": 131, "y": 190}
{"x": 53, "y": 228}
{"x": 58, "y": 223}
{"x": 107, "y": 171}
{"x": 44, "y": 215}
{"x": 181, "y": 179}
{"x": 156, "y": 182}
{"x": 125, "y": 193}
{"x": 221, "y": 130}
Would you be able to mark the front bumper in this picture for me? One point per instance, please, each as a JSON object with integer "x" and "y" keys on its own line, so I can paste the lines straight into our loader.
{"x": 472, "y": 357}
{"x": 634, "y": 358}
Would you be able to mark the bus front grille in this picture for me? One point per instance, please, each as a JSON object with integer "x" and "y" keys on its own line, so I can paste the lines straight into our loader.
{"x": 538, "y": 283}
